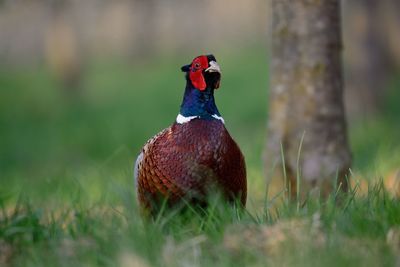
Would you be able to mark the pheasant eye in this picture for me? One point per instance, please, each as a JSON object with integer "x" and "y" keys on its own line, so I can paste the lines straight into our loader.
{"x": 197, "y": 65}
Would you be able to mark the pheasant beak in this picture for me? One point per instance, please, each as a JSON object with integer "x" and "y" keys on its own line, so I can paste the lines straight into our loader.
{"x": 214, "y": 67}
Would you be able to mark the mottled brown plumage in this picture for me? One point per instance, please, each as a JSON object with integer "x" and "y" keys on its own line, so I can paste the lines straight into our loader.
{"x": 190, "y": 160}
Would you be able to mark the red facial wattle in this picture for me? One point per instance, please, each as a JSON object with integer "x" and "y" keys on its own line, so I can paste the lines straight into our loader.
{"x": 196, "y": 76}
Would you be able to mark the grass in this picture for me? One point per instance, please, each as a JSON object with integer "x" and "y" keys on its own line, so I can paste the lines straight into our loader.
{"x": 66, "y": 186}
{"x": 320, "y": 233}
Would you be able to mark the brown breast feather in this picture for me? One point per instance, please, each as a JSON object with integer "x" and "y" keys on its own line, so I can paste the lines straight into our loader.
{"x": 187, "y": 161}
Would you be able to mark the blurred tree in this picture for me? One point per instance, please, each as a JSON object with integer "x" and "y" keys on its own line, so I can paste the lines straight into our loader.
{"x": 61, "y": 50}
{"x": 369, "y": 61}
{"x": 145, "y": 42}
{"x": 306, "y": 96}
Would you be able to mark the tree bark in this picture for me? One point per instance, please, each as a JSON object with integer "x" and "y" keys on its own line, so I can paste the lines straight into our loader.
{"x": 306, "y": 99}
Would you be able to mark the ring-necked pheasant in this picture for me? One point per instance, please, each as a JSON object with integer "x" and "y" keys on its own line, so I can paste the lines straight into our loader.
{"x": 196, "y": 155}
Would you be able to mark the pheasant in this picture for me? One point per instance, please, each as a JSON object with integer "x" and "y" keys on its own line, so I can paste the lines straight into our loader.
{"x": 195, "y": 156}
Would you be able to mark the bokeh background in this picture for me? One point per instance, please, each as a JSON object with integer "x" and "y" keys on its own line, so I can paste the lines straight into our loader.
{"x": 83, "y": 84}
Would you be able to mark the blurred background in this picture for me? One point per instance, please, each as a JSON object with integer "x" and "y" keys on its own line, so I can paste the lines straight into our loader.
{"x": 83, "y": 84}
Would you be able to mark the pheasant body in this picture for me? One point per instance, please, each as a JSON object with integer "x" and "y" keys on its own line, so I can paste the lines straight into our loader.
{"x": 194, "y": 157}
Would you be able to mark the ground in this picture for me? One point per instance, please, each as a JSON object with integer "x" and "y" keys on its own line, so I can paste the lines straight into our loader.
{"x": 67, "y": 191}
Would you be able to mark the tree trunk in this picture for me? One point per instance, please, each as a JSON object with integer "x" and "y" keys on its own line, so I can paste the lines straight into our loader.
{"x": 369, "y": 61}
{"x": 306, "y": 97}
{"x": 62, "y": 51}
